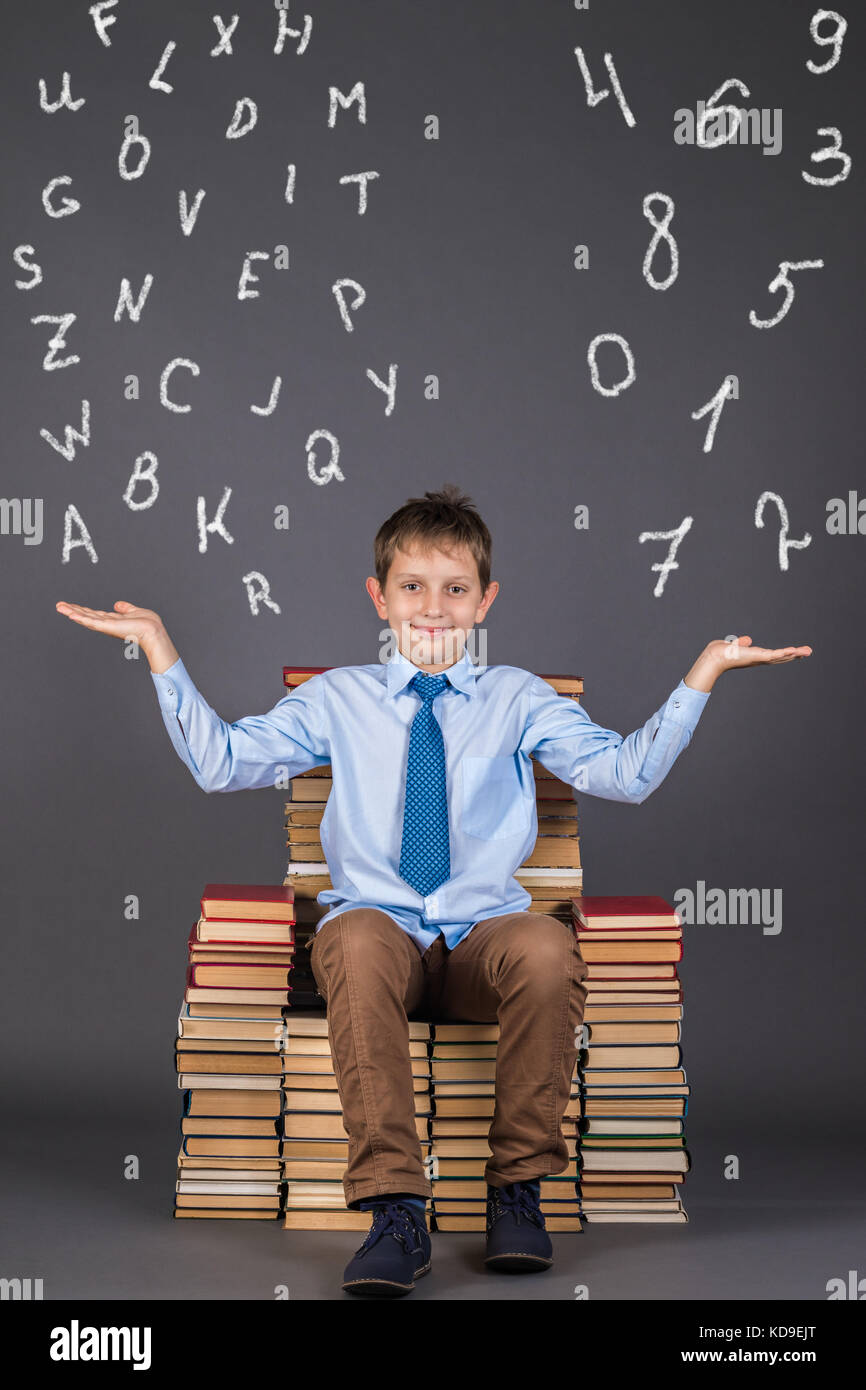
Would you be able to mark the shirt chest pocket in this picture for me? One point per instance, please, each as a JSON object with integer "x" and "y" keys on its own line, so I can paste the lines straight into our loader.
{"x": 493, "y": 802}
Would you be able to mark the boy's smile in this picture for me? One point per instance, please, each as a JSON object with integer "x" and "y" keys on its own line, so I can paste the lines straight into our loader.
{"x": 431, "y": 601}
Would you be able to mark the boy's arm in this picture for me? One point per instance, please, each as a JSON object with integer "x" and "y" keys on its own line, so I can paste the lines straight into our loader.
{"x": 221, "y": 757}
{"x": 246, "y": 754}
{"x": 600, "y": 761}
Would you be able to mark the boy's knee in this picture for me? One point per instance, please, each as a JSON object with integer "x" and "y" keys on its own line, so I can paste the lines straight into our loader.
{"x": 537, "y": 946}
{"x": 366, "y": 934}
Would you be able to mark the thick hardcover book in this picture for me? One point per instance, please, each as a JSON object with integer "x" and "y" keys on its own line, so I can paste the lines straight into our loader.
{"x": 266, "y": 902}
{"x": 239, "y": 976}
{"x": 611, "y": 913}
{"x": 293, "y": 676}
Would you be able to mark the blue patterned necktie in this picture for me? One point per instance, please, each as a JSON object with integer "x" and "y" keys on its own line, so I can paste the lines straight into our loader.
{"x": 425, "y": 859}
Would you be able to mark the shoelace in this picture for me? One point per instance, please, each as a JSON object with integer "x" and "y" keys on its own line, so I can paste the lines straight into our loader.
{"x": 390, "y": 1218}
{"x": 521, "y": 1201}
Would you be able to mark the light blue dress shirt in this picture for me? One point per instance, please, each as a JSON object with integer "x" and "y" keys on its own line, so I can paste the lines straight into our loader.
{"x": 358, "y": 718}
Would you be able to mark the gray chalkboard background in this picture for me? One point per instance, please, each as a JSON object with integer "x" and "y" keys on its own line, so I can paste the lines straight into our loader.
{"x": 465, "y": 253}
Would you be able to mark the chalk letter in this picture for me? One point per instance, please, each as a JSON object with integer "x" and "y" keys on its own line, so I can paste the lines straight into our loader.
{"x": 71, "y": 434}
{"x": 143, "y": 475}
{"x": 100, "y": 23}
{"x": 225, "y": 43}
{"x": 65, "y": 98}
{"x": 356, "y": 95}
{"x": 260, "y": 595}
{"x": 188, "y": 218}
{"x": 164, "y": 379}
{"x": 58, "y": 341}
{"x": 18, "y": 258}
{"x": 156, "y": 81}
{"x": 272, "y": 403}
{"x": 133, "y": 138}
{"x": 390, "y": 389}
{"x": 235, "y": 129}
{"x": 332, "y": 469}
{"x": 69, "y": 205}
{"x": 337, "y": 289}
{"x": 247, "y": 276}
{"x": 125, "y": 300}
{"x": 284, "y": 30}
{"x": 215, "y": 525}
{"x": 361, "y": 181}
{"x": 69, "y": 544}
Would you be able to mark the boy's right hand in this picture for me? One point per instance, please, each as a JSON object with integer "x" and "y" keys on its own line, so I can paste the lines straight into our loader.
{"x": 128, "y": 621}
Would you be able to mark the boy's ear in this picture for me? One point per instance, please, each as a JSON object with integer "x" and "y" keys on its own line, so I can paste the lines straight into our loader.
{"x": 374, "y": 589}
{"x": 489, "y": 595}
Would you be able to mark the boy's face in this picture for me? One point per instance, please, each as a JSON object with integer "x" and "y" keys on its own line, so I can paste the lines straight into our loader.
{"x": 432, "y": 599}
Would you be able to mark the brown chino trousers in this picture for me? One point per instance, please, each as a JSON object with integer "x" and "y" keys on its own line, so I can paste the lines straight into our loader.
{"x": 522, "y": 969}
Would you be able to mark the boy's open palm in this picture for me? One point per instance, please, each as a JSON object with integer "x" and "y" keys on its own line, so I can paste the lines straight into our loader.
{"x": 127, "y": 621}
{"x": 738, "y": 651}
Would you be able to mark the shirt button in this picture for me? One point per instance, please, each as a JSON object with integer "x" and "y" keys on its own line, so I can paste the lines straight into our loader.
{"x": 169, "y": 690}
{"x": 676, "y": 704}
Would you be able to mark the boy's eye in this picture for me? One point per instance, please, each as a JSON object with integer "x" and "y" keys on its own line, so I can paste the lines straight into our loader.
{"x": 412, "y": 585}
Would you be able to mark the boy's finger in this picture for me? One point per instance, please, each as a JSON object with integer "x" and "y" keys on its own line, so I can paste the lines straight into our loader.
{"x": 97, "y": 612}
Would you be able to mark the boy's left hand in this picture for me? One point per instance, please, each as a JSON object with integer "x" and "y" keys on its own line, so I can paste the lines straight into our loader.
{"x": 726, "y": 655}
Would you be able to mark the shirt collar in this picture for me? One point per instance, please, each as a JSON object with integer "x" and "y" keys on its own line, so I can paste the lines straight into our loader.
{"x": 399, "y": 671}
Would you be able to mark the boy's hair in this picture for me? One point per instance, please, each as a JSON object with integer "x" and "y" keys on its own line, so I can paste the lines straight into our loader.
{"x": 442, "y": 519}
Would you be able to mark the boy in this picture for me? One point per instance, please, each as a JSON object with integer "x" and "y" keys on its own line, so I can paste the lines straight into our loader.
{"x": 432, "y": 809}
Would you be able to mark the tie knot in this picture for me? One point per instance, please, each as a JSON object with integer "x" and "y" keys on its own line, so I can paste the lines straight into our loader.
{"x": 428, "y": 687}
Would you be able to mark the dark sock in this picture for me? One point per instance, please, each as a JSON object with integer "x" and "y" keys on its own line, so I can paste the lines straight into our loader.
{"x": 534, "y": 1183}
{"x": 406, "y": 1199}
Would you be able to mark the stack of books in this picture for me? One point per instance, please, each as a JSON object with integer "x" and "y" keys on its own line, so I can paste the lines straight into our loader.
{"x": 552, "y": 875}
{"x": 242, "y": 978}
{"x": 633, "y": 1085}
{"x": 463, "y": 1061}
{"x": 315, "y": 1148}
{"x": 262, "y": 1129}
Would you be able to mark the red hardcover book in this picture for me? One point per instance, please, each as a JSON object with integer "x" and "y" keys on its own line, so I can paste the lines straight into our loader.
{"x": 611, "y": 913}
{"x": 202, "y": 975}
{"x": 249, "y": 902}
{"x": 293, "y": 676}
{"x": 598, "y": 955}
{"x": 257, "y": 945}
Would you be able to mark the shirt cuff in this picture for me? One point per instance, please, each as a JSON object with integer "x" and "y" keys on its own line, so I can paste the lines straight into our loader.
{"x": 685, "y": 705}
{"x": 171, "y": 685}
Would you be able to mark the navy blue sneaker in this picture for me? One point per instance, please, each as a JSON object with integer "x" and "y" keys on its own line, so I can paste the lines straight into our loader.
{"x": 516, "y": 1236}
{"x": 395, "y": 1253}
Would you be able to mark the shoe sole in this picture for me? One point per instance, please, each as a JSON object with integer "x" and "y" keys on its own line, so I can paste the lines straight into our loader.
{"x": 384, "y": 1288}
{"x": 517, "y": 1262}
